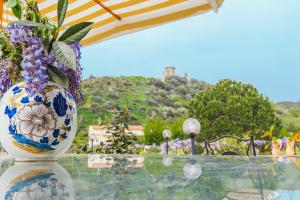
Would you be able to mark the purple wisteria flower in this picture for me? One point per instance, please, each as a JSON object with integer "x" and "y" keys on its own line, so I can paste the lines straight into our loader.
{"x": 179, "y": 144}
{"x": 5, "y": 81}
{"x": 34, "y": 66}
{"x": 188, "y": 143}
{"x": 259, "y": 142}
{"x": 19, "y": 34}
{"x": 35, "y": 59}
{"x": 284, "y": 141}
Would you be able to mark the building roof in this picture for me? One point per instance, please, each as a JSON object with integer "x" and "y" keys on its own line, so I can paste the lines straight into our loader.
{"x": 130, "y": 127}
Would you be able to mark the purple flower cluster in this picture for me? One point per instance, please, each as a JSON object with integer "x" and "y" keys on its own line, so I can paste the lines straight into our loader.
{"x": 34, "y": 66}
{"x": 19, "y": 34}
{"x": 259, "y": 143}
{"x": 35, "y": 59}
{"x": 75, "y": 76}
{"x": 5, "y": 81}
{"x": 175, "y": 145}
{"x": 284, "y": 141}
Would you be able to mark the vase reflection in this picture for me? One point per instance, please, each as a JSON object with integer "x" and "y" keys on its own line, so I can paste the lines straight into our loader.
{"x": 34, "y": 181}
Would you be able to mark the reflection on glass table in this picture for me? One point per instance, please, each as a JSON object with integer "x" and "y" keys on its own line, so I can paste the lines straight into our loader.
{"x": 94, "y": 177}
{"x": 24, "y": 181}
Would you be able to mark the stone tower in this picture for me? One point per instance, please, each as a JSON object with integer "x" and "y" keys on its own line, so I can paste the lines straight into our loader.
{"x": 169, "y": 72}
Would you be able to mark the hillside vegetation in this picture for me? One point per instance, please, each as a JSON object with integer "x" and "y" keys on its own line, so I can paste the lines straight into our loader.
{"x": 289, "y": 113}
{"x": 147, "y": 97}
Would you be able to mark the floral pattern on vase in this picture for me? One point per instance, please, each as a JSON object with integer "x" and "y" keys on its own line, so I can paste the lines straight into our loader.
{"x": 41, "y": 126}
{"x": 35, "y": 121}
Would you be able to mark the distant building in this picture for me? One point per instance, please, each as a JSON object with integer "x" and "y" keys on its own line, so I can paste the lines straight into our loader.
{"x": 100, "y": 134}
{"x": 170, "y": 72}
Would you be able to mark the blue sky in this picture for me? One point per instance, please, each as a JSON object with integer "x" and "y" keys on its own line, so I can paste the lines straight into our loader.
{"x": 254, "y": 41}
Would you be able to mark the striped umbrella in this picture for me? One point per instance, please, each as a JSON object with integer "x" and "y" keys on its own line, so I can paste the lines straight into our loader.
{"x": 118, "y": 17}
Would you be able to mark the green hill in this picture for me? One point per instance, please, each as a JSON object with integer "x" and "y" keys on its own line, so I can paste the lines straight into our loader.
{"x": 147, "y": 96}
{"x": 289, "y": 113}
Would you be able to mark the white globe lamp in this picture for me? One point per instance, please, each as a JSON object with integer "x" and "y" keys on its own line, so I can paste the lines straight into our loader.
{"x": 192, "y": 127}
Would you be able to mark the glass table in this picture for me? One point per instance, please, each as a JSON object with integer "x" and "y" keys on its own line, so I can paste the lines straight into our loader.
{"x": 91, "y": 177}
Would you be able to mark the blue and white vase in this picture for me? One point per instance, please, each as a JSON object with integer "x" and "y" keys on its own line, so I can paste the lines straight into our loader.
{"x": 39, "y": 127}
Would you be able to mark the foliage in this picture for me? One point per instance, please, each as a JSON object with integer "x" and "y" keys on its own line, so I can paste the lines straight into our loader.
{"x": 31, "y": 49}
{"x": 80, "y": 148}
{"x": 231, "y": 107}
{"x": 289, "y": 113}
{"x": 153, "y": 130}
{"x": 176, "y": 128}
{"x": 148, "y": 98}
{"x": 121, "y": 140}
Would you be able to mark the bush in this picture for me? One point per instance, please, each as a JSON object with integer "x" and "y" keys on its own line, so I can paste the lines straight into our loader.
{"x": 175, "y": 127}
{"x": 153, "y": 130}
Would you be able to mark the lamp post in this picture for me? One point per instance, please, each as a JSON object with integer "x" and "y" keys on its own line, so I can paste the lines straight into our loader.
{"x": 167, "y": 135}
{"x": 192, "y": 127}
{"x": 92, "y": 137}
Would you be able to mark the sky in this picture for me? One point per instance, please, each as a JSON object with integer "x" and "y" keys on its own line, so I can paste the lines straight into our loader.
{"x": 253, "y": 41}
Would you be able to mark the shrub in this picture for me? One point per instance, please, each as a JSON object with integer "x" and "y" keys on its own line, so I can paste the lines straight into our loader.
{"x": 176, "y": 128}
{"x": 153, "y": 130}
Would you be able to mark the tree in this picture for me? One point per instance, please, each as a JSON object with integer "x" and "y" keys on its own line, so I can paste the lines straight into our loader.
{"x": 121, "y": 140}
{"x": 233, "y": 108}
{"x": 153, "y": 130}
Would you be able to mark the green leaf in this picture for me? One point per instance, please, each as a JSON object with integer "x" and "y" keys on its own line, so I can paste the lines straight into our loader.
{"x": 64, "y": 54}
{"x": 57, "y": 76}
{"x": 46, "y": 43}
{"x": 267, "y": 134}
{"x": 29, "y": 23}
{"x": 76, "y": 32}
{"x": 61, "y": 11}
{"x": 11, "y": 3}
{"x": 17, "y": 10}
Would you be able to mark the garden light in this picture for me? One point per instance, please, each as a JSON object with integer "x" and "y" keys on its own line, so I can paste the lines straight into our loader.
{"x": 167, "y": 135}
{"x": 192, "y": 127}
{"x": 92, "y": 137}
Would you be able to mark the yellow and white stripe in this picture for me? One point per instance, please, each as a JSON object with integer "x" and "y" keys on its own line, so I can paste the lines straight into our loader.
{"x": 118, "y": 17}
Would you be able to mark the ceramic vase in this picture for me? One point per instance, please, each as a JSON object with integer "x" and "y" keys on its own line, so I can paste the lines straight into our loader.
{"x": 290, "y": 148}
{"x": 38, "y": 127}
{"x": 27, "y": 181}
